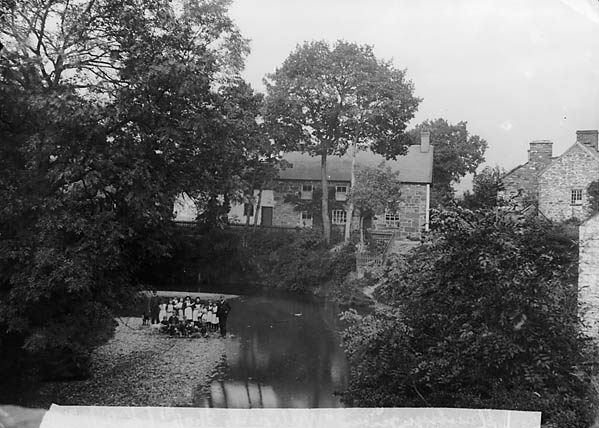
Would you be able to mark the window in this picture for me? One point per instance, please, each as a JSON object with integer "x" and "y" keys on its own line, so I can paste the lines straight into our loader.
{"x": 340, "y": 193}
{"x": 306, "y": 191}
{"x": 306, "y": 219}
{"x": 339, "y": 216}
{"x": 392, "y": 219}
{"x": 248, "y": 210}
{"x": 576, "y": 196}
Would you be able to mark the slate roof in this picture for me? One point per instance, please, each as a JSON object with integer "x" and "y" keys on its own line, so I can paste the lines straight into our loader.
{"x": 414, "y": 167}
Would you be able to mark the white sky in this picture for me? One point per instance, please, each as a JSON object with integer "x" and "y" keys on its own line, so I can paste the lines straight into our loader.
{"x": 515, "y": 70}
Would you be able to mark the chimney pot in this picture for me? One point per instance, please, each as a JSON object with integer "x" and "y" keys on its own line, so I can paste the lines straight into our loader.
{"x": 589, "y": 138}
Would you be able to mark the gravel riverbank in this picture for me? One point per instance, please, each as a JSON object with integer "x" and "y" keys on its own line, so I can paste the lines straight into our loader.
{"x": 141, "y": 367}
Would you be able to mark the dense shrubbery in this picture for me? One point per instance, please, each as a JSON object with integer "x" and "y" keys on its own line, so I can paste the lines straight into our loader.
{"x": 214, "y": 254}
{"x": 483, "y": 315}
{"x": 298, "y": 261}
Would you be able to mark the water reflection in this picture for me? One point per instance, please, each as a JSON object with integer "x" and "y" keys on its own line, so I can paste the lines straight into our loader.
{"x": 283, "y": 353}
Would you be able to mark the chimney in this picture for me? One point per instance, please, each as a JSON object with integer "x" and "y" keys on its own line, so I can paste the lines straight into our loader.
{"x": 539, "y": 154}
{"x": 588, "y": 138}
{"x": 425, "y": 141}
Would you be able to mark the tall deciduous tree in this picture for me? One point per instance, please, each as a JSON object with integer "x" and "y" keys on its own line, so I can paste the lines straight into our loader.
{"x": 326, "y": 98}
{"x": 108, "y": 110}
{"x": 457, "y": 153}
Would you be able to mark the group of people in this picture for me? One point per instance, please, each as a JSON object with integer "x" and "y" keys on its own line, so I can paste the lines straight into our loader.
{"x": 187, "y": 317}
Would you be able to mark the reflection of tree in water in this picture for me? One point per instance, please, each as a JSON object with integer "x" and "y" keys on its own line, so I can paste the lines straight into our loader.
{"x": 201, "y": 396}
{"x": 285, "y": 354}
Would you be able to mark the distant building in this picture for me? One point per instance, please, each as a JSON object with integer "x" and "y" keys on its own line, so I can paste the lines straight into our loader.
{"x": 557, "y": 187}
{"x": 303, "y": 179}
{"x": 521, "y": 184}
{"x": 278, "y": 202}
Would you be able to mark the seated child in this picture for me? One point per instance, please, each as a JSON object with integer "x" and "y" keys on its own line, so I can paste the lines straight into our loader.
{"x": 173, "y": 323}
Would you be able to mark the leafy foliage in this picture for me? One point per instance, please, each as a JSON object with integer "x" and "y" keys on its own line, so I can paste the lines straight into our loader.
{"x": 108, "y": 110}
{"x": 482, "y": 315}
{"x": 593, "y": 195}
{"x": 486, "y": 186}
{"x": 297, "y": 261}
{"x": 323, "y": 98}
{"x": 456, "y": 154}
{"x": 376, "y": 190}
{"x": 304, "y": 263}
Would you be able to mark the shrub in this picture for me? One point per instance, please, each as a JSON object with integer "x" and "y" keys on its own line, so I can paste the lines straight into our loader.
{"x": 482, "y": 315}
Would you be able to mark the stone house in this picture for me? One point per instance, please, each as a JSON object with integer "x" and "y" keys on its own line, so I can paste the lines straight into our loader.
{"x": 521, "y": 184}
{"x": 299, "y": 186}
{"x": 557, "y": 186}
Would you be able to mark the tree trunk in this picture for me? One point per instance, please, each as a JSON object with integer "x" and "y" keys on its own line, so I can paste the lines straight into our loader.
{"x": 258, "y": 205}
{"x": 223, "y": 215}
{"x": 247, "y": 215}
{"x": 350, "y": 208}
{"x": 250, "y": 199}
{"x": 326, "y": 221}
{"x": 361, "y": 232}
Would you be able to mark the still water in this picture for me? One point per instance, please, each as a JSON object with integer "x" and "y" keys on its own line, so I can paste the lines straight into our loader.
{"x": 282, "y": 353}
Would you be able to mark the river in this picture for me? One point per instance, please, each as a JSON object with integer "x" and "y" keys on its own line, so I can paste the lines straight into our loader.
{"x": 282, "y": 352}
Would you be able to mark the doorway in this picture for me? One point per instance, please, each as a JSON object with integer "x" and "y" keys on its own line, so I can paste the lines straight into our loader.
{"x": 267, "y": 216}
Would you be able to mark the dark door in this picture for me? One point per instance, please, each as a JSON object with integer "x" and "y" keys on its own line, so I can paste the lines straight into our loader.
{"x": 266, "y": 216}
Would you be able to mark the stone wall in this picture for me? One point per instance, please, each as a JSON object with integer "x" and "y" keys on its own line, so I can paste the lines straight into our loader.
{"x": 285, "y": 213}
{"x": 412, "y": 212}
{"x": 588, "y": 273}
{"x": 575, "y": 169}
{"x": 521, "y": 184}
{"x": 522, "y": 181}
{"x": 412, "y": 216}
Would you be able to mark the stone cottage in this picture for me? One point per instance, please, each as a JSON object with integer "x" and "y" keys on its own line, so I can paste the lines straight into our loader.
{"x": 556, "y": 186}
{"x": 297, "y": 186}
{"x": 300, "y": 184}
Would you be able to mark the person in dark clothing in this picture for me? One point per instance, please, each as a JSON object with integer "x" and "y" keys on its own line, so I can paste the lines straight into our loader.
{"x": 222, "y": 312}
{"x": 154, "y": 307}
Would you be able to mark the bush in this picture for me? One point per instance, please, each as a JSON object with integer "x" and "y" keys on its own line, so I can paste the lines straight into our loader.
{"x": 297, "y": 261}
{"x": 482, "y": 315}
{"x": 301, "y": 262}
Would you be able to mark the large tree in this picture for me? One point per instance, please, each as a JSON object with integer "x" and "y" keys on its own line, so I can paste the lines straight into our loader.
{"x": 326, "y": 98}
{"x": 456, "y": 154}
{"x": 108, "y": 110}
